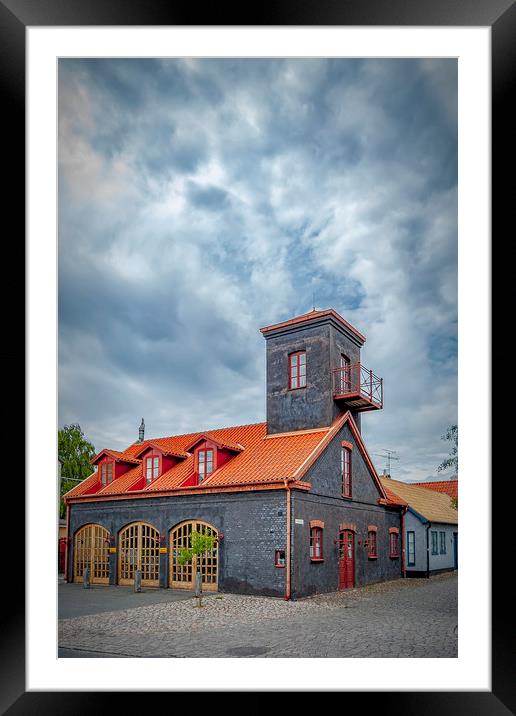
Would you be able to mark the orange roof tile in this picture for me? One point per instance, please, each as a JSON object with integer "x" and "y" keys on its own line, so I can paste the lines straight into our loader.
{"x": 262, "y": 459}
{"x": 119, "y": 456}
{"x": 450, "y": 487}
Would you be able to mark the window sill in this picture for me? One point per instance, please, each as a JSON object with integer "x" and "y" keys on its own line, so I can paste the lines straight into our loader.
{"x": 301, "y": 387}
{"x": 279, "y": 566}
{"x": 346, "y": 497}
{"x": 372, "y": 556}
{"x": 394, "y": 556}
{"x": 316, "y": 559}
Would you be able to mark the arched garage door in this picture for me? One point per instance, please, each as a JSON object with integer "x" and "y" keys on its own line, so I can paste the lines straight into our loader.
{"x": 183, "y": 576}
{"x": 90, "y": 549}
{"x": 138, "y": 548}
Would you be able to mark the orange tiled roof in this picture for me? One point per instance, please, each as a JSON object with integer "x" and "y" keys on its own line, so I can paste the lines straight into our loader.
{"x": 119, "y": 456}
{"x": 151, "y": 443}
{"x": 262, "y": 459}
{"x": 306, "y": 317}
{"x": 450, "y": 487}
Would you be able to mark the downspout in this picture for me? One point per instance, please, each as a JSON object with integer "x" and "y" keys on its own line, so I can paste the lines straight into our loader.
{"x": 67, "y": 541}
{"x": 288, "y": 544}
{"x": 403, "y": 559}
{"x": 428, "y": 551}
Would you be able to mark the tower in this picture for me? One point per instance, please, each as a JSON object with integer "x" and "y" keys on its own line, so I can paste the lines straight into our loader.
{"x": 314, "y": 372}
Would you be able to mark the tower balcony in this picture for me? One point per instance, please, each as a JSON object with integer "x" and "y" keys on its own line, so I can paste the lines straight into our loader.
{"x": 357, "y": 387}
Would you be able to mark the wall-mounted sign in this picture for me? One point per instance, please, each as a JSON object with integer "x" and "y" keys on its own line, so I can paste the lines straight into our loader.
{"x": 299, "y": 522}
{"x": 162, "y": 550}
{"x": 112, "y": 550}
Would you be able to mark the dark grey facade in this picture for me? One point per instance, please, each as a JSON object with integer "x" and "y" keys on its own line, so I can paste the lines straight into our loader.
{"x": 253, "y": 525}
{"x": 325, "y": 502}
{"x": 324, "y": 340}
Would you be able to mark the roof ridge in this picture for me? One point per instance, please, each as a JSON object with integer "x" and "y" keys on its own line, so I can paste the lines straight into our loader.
{"x": 198, "y": 432}
{"x": 307, "y": 431}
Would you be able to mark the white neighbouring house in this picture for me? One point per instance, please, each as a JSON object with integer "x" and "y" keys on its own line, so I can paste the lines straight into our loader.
{"x": 430, "y": 529}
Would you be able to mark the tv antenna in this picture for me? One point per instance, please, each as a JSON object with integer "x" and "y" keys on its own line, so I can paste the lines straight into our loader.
{"x": 388, "y": 455}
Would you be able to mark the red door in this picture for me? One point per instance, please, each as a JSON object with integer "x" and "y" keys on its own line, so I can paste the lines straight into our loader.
{"x": 346, "y": 559}
{"x": 62, "y": 554}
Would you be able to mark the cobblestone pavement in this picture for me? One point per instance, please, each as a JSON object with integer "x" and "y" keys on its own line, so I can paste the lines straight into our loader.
{"x": 403, "y": 618}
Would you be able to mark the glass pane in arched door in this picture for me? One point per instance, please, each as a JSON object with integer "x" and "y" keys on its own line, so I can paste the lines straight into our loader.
{"x": 183, "y": 576}
{"x": 138, "y": 548}
{"x": 90, "y": 545}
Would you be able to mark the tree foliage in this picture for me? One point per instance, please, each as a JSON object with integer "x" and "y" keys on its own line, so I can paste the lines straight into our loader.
{"x": 199, "y": 544}
{"x": 452, "y": 461}
{"x": 75, "y": 452}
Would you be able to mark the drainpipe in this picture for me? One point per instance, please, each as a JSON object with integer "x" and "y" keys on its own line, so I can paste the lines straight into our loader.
{"x": 67, "y": 541}
{"x": 289, "y": 536}
{"x": 428, "y": 550}
{"x": 403, "y": 560}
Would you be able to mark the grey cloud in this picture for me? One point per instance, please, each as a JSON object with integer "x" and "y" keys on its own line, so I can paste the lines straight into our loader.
{"x": 198, "y": 199}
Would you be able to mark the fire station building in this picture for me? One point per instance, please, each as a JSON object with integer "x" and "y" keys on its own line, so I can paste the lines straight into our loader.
{"x": 294, "y": 503}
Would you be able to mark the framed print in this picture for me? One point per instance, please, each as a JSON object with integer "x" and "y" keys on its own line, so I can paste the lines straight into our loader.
{"x": 53, "y": 68}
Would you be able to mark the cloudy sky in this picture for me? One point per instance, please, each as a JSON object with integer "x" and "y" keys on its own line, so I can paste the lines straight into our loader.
{"x": 200, "y": 200}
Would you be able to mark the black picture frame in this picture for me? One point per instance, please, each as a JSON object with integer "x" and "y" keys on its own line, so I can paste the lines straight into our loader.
{"x": 500, "y": 16}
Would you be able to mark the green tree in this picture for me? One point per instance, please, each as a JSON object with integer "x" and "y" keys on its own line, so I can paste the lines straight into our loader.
{"x": 75, "y": 452}
{"x": 199, "y": 545}
{"x": 452, "y": 461}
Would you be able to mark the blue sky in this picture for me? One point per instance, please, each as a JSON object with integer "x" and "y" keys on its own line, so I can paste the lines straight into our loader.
{"x": 202, "y": 199}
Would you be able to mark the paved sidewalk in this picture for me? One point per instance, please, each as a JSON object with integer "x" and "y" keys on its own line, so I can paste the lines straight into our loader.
{"x": 405, "y": 618}
{"x": 75, "y": 601}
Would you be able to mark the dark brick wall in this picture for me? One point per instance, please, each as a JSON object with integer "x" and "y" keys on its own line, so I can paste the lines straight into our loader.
{"x": 325, "y": 502}
{"x": 317, "y": 577}
{"x": 325, "y": 474}
{"x": 253, "y": 524}
{"x": 313, "y": 406}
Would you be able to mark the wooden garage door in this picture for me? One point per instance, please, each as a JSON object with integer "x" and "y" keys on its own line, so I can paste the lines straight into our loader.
{"x": 91, "y": 545}
{"x": 138, "y": 548}
{"x": 183, "y": 576}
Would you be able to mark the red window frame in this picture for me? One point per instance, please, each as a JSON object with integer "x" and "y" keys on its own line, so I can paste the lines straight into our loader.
{"x": 152, "y": 468}
{"x": 279, "y": 561}
{"x": 106, "y": 473}
{"x": 294, "y": 370}
{"x": 316, "y": 544}
{"x": 372, "y": 543}
{"x": 394, "y": 550}
{"x": 205, "y": 463}
{"x": 345, "y": 466}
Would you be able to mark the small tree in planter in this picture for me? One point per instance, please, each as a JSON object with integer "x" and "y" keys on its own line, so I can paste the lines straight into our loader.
{"x": 199, "y": 545}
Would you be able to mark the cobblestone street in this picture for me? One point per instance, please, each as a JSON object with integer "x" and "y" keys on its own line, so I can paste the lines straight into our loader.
{"x": 405, "y": 618}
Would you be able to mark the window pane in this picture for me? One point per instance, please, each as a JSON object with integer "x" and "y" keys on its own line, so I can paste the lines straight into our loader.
{"x": 293, "y": 361}
{"x": 302, "y": 381}
{"x": 302, "y": 359}
{"x": 293, "y": 383}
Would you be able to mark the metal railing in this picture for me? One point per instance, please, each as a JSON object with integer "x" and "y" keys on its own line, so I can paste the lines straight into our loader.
{"x": 357, "y": 380}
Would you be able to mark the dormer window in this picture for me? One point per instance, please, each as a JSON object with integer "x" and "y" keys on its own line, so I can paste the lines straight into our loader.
{"x": 205, "y": 463}
{"x": 297, "y": 370}
{"x": 151, "y": 468}
{"x": 106, "y": 473}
